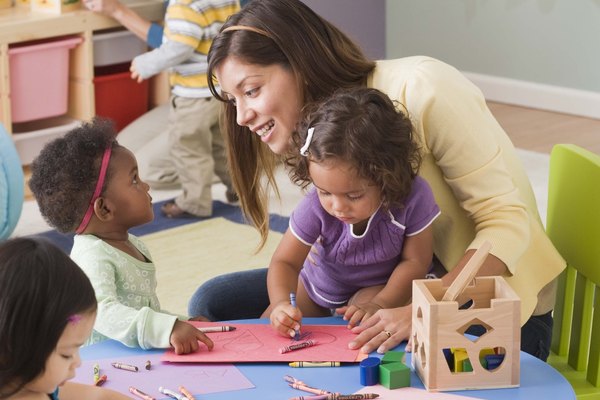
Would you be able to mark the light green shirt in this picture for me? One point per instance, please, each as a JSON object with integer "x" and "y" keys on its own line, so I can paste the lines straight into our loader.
{"x": 128, "y": 308}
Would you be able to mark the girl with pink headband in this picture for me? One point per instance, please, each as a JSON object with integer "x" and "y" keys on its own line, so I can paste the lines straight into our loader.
{"x": 88, "y": 184}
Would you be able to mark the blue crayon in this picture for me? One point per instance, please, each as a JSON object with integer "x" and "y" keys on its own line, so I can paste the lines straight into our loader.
{"x": 293, "y": 303}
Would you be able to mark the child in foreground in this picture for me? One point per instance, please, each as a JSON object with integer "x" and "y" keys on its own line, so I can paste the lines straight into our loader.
{"x": 47, "y": 311}
{"x": 368, "y": 217}
{"x": 88, "y": 184}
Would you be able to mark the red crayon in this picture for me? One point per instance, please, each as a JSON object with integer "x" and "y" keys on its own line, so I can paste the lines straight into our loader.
{"x": 363, "y": 396}
{"x": 100, "y": 381}
{"x": 298, "y": 346}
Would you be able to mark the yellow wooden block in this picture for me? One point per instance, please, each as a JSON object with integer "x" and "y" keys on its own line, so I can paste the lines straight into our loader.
{"x": 460, "y": 355}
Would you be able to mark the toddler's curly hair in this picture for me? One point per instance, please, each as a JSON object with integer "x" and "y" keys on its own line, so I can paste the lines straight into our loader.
{"x": 363, "y": 127}
{"x": 65, "y": 173}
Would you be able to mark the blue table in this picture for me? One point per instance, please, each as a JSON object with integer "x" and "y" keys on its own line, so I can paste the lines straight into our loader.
{"x": 538, "y": 379}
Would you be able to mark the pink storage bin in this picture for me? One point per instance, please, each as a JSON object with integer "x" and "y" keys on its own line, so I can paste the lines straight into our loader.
{"x": 39, "y": 79}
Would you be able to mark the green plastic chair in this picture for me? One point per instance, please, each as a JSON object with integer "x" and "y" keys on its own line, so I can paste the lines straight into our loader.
{"x": 573, "y": 225}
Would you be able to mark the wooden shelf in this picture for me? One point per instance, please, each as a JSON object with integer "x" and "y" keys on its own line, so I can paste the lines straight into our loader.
{"x": 19, "y": 25}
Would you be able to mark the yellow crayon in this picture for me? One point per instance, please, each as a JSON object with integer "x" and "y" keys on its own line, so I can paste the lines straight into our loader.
{"x": 96, "y": 372}
{"x": 309, "y": 364}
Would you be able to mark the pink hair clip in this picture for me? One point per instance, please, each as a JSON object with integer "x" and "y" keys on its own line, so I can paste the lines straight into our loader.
{"x": 74, "y": 318}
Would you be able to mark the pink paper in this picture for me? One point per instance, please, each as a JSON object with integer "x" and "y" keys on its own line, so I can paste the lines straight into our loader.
{"x": 411, "y": 393}
{"x": 260, "y": 343}
{"x": 198, "y": 379}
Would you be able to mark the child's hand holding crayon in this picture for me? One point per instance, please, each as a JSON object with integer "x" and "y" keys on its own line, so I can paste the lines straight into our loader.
{"x": 286, "y": 319}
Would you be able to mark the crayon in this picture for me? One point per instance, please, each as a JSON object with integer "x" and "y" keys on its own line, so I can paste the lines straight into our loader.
{"x": 101, "y": 381}
{"x": 148, "y": 365}
{"x": 126, "y": 367}
{"x": 96, "y": 372}
{"x": 224, "y": 328}
{"x": 309, "y": 389}
{"x": 298, "y": 346}
{"x": 290, "y": 379}
{"x": 293, "y": 303}
{"x": 322, "y": 397}
{"x": 170, "y": 393}
{"x": 308, "y": 364}
{"x": 186, "y": 393}
{"x": 140, "y": 394}
{"x": 363, "y": 396}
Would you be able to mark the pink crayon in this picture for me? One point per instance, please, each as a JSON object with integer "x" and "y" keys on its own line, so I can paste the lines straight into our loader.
{"x": 298, "y": 346}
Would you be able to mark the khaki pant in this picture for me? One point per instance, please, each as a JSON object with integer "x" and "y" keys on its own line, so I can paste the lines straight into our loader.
{"x": 147, "y": 137}
{"x": 197, "y": 150}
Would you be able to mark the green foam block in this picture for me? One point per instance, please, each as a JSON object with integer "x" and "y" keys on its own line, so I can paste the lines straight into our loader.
{"x": 394, "y": 375}
{"x": 392, "y": 357}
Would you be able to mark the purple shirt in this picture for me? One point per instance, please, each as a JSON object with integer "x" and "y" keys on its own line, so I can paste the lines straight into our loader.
{"x": 345, "y": 262}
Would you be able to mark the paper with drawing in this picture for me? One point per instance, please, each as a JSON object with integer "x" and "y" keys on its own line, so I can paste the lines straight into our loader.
{"x": 260, "y": 343}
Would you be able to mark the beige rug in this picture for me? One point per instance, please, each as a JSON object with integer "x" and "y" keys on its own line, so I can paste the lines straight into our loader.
{"x": 190, "y": 254}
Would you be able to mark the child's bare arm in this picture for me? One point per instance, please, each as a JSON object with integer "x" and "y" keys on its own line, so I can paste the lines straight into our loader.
{"x": 282, "y": 279}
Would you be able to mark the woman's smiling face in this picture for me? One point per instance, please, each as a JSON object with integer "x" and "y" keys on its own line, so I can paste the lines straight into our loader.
{"x": 267, "y": 99}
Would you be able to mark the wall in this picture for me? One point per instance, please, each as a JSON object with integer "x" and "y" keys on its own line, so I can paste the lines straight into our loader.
{"x": 544, "y": 52}
{"x": 363, "y": 20}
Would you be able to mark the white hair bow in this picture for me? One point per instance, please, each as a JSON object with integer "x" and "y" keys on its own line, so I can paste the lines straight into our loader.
{"x": 309, "y": 136}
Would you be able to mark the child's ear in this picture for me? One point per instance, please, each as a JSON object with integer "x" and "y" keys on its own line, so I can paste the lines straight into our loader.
{"x": 103, "y": 209}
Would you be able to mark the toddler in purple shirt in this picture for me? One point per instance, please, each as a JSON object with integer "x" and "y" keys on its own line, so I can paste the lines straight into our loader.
{"x": 367, "y": 219}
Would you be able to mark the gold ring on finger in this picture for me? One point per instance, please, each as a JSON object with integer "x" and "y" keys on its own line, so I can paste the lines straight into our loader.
{"x": 388, "y": 334}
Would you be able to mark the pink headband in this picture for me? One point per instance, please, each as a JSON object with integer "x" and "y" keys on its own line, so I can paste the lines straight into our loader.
{"x": 103, "y": 168}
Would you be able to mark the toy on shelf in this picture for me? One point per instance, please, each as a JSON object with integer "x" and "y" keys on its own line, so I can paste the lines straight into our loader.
{"x": 444, "y": 356}
{"x": 55, "y": 6}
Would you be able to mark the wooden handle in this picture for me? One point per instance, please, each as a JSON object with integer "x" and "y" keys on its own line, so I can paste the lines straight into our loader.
{"x": 468, "y": 273}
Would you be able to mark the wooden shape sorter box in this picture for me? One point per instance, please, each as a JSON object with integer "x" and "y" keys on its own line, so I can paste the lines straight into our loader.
{"x": 439, "y": 326}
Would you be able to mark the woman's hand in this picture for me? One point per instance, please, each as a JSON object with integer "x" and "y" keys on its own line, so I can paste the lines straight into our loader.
{"x": 386, "y": 329}
{"x": 286, "y": 318}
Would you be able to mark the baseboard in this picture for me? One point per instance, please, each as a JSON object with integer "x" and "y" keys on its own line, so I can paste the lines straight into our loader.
{"x": 536, "y": 95}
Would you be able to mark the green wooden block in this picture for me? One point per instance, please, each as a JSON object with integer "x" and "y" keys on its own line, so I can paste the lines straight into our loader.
{"x": 466, "y": 366}
{"x": 394, "y": 375}
{"x": 392, "y": 357}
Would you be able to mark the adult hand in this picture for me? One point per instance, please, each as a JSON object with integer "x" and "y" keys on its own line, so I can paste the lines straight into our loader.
{"x": 384, "y": 330}
{"x": 286, "y": 318}
{"x": 184, "y": 338}
{"x": 106, "y": 7}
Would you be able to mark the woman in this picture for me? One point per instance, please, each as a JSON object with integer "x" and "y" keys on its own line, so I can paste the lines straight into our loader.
{"x": 275, "y": 56}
